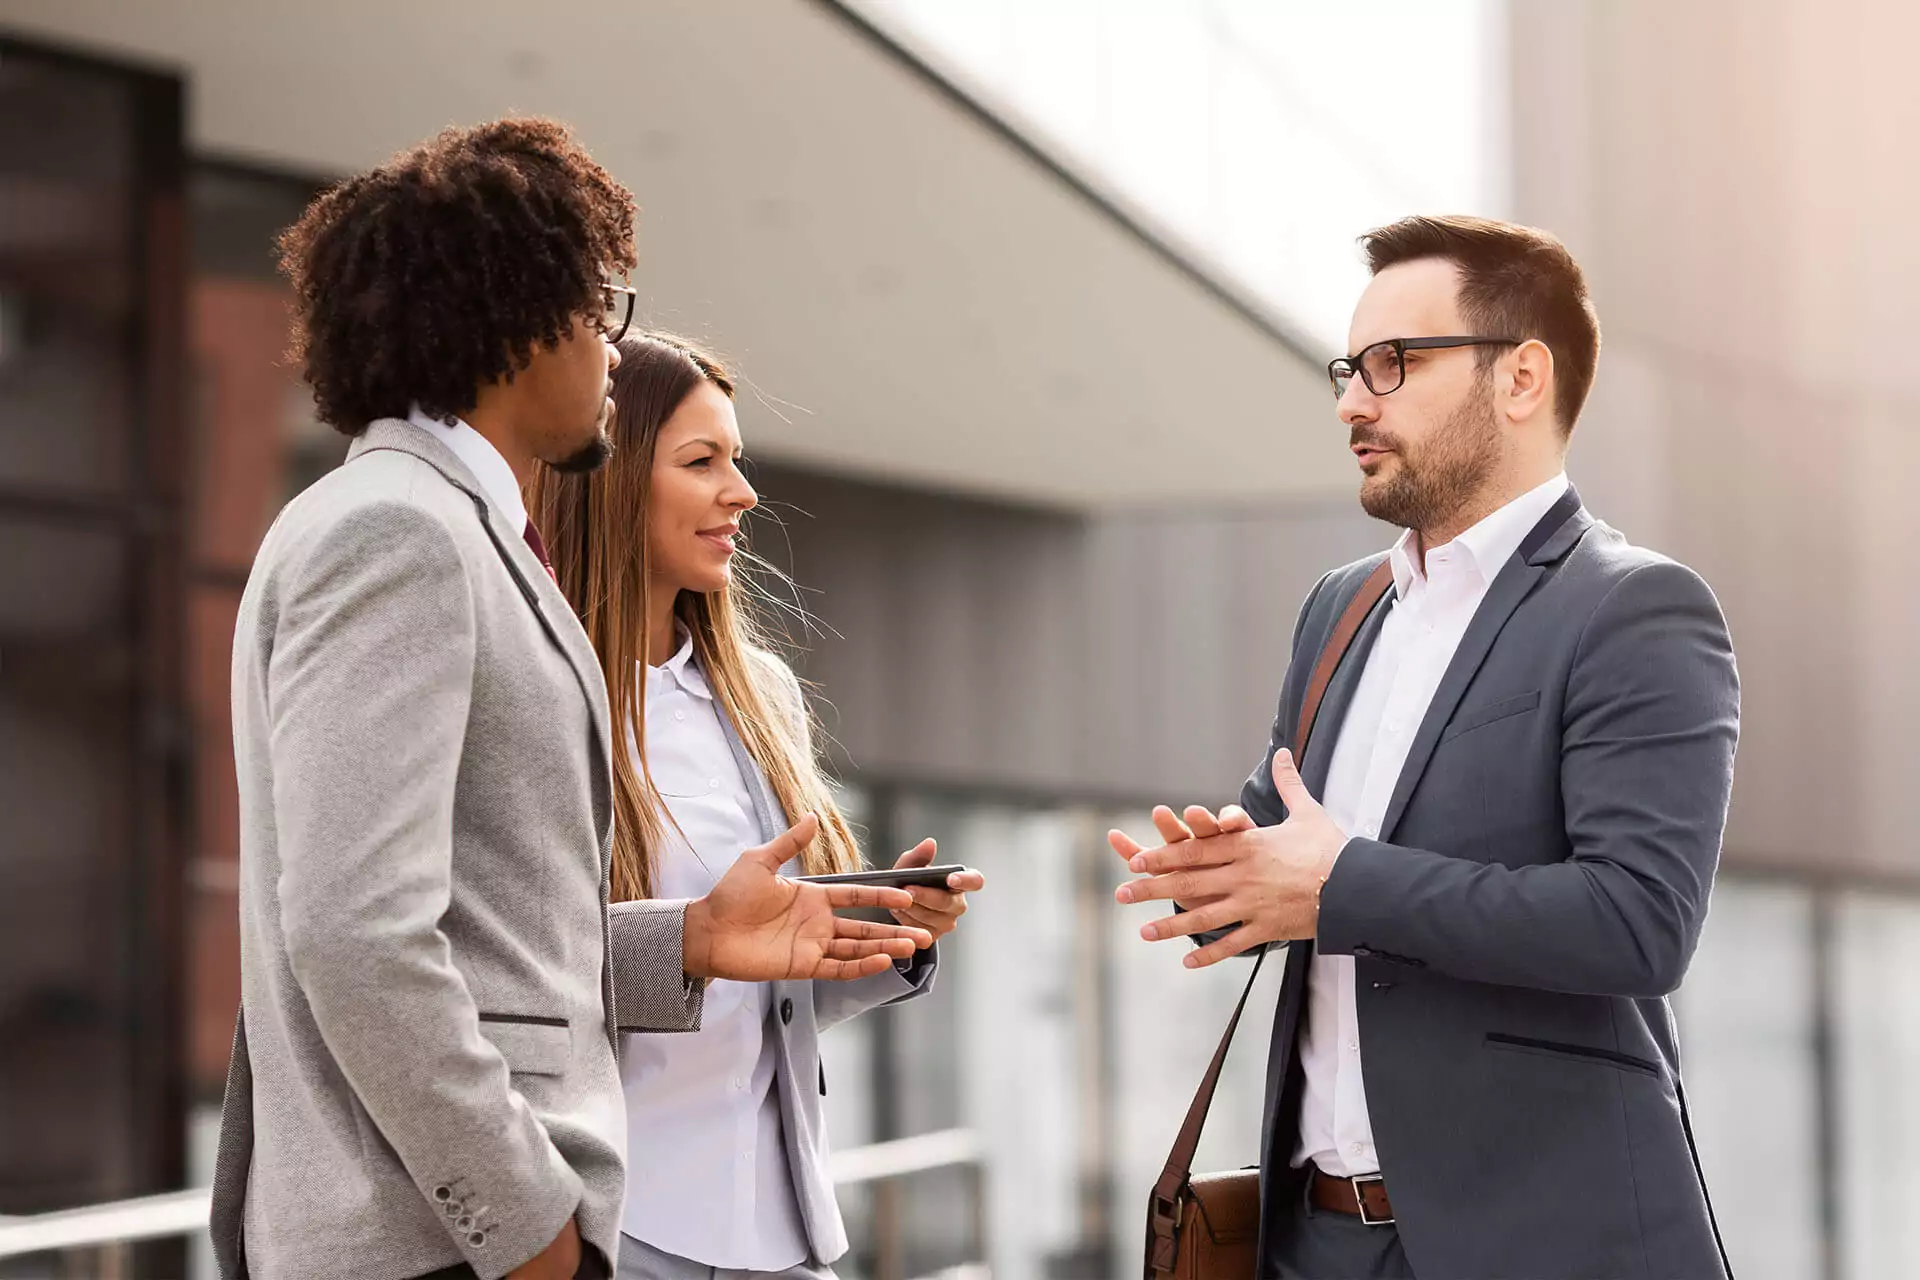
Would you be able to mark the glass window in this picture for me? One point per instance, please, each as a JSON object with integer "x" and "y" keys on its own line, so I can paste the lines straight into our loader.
{"x": 1877, "y": 1052}
{"x": 1008, "y": 1041}
{"x": 1746, "y": 1017}
{"x": 90, "y": 440}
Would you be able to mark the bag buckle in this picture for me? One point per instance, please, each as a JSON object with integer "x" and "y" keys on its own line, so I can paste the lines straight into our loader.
{"x": 1163, "y": 1221}
{"x": 1360, "y": 1201}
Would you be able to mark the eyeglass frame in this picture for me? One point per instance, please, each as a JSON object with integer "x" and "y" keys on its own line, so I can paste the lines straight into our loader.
{"x": 1400, "y": 348}
{"x": 613, "y": 291}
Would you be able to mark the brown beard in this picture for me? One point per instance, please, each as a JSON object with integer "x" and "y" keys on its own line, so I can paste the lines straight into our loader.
{"x": 1454, "y": 464}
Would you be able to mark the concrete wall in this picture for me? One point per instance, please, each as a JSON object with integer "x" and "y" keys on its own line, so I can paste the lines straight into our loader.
{"x": 1735, "y": 181}
{"x": 1135, "y": 654}
{"x": 1738, "y": 182}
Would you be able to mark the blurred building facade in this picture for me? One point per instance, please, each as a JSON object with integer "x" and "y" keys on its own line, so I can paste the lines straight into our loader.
{"x": 1056, "y": 465}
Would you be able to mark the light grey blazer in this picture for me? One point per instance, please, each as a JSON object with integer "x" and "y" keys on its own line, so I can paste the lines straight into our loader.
{"x": 803, "y": 1009}
{"x": 425, "y": 1072}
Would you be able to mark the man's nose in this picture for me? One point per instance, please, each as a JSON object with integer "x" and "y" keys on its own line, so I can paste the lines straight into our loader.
{"x": 1357, "y": 404}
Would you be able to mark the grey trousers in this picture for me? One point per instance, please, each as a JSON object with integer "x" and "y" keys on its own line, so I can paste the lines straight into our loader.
{"x": 1313, "y": 1244}
{"x": 641, "y": 1261}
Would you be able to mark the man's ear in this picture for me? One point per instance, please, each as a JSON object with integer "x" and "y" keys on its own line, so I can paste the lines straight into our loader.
{"x": 1527, "y": 390}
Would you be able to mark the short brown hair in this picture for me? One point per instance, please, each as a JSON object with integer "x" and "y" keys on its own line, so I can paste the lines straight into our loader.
{"x": 437, "y": 273}
{"x": 1515, "y": 281}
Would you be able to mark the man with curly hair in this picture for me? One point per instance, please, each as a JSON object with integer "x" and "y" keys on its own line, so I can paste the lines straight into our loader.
{"x": 424, "y": 1079}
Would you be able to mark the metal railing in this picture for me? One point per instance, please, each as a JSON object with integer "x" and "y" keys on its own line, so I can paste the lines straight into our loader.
{"x": 104, "y": 1230}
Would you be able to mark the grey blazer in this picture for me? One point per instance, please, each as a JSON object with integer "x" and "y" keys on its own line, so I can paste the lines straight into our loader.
{"x": 803, "y": 1009}
{"x": 1535, "y": 893}
{"x": 425, "y": 1069}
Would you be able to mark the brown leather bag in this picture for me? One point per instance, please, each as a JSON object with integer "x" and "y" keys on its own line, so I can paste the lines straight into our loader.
{"x": 1207, "y": 1227}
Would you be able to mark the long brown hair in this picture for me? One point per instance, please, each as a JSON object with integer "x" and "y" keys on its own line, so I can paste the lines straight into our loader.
{"x": 595, "y": 528}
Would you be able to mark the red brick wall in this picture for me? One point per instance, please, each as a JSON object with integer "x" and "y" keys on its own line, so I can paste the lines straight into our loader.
{"x": 243, "y": 394}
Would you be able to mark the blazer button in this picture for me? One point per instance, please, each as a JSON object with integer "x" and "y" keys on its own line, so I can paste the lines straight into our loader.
{"x": 443, "y": 1193}
{"x": 478, "y": 1240}
{"x": 464, "y": 1222}
{"x": 786, "y": 1011}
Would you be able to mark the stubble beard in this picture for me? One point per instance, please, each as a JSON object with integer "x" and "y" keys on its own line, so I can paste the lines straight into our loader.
{"x": 589, "y": 457}
{"x": 1452, "y": 467}
{"x": 593, "y": 455}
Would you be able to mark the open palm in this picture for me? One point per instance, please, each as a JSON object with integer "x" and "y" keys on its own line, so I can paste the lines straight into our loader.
{"x": 760, "y": 926}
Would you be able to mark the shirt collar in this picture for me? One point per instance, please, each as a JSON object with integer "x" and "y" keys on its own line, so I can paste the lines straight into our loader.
{"x": 1488, "y": 545}
{"x": 478, "y": 455}
{"x": 681, "y": 669}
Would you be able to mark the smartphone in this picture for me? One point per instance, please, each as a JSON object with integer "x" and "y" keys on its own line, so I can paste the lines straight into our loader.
{"x": 893, "y": 877}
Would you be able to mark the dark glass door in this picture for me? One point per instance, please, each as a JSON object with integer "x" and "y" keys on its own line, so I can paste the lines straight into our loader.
{"x": 93, "y": 748}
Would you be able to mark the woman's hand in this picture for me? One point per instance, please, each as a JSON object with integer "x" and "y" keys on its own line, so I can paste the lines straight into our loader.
{"x": 936, "y": 910}
{"x": 759, "y": 926}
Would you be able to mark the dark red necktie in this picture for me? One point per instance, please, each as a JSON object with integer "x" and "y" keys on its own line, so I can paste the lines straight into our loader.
{"x": 532, "y": 536}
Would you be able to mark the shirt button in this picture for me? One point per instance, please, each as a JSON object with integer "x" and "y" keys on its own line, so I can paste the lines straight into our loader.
{"x": 1354, "y": 1147}
{"x": 713, "y": 784}
{"x": 1353, "y": 1046}
{"x": 739, "y": 1084}
{"x": 679, "y": 715}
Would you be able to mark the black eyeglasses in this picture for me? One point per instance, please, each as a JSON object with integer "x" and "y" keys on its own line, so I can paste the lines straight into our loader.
{"x": 619, "y": 311}
{"x": 1383, "y": 366}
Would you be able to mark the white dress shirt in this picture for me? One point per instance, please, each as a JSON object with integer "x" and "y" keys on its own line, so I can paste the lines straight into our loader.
{"x": 707, "y": 1175}
{"x": 1432, "y": 605}
{"x": 478, "y": 455}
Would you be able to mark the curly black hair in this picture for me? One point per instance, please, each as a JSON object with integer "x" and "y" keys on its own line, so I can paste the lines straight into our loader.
{"x": 436, "y": 273}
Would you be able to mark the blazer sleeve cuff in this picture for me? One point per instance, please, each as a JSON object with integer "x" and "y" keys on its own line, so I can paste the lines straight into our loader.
{"x": 494, "y": 1239}
{"x": 1357, "y": 905}
{"x": 651, "y": 989}
{"x": 835, "y": 1002}
{"x": 916, "y": 974}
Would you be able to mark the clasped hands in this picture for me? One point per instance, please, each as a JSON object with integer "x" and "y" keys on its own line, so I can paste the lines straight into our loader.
{"x": 1223, "y": 872}
{"x": 758, "y": 926}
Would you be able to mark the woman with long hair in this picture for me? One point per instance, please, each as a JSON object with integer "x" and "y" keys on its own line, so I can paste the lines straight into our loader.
{"x": 727, "y": 1172}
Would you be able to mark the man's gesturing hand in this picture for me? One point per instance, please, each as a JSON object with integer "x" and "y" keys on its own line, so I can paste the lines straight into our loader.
{"x": 1225, "y": 871}
{"x": 757, "y": 926}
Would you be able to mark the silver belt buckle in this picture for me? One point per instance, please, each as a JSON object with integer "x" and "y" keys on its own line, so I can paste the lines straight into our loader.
{"x": 1360, "y": 1201}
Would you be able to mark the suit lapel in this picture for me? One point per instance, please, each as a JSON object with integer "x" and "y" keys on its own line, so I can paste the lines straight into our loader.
{"x": 1551, "y": 538}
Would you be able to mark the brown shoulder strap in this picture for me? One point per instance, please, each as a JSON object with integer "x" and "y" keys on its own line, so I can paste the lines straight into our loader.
{"x": 1164, "y": 1217}
{"x": 1377, "y": 584}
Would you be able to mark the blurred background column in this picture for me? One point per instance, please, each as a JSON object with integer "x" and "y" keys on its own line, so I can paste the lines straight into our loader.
{"x": 1736, "y": 179}
{"x": 93, "y": 730}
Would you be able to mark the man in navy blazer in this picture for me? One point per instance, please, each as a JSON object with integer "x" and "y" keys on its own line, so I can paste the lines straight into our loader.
{"x": 1492, "y": 866}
